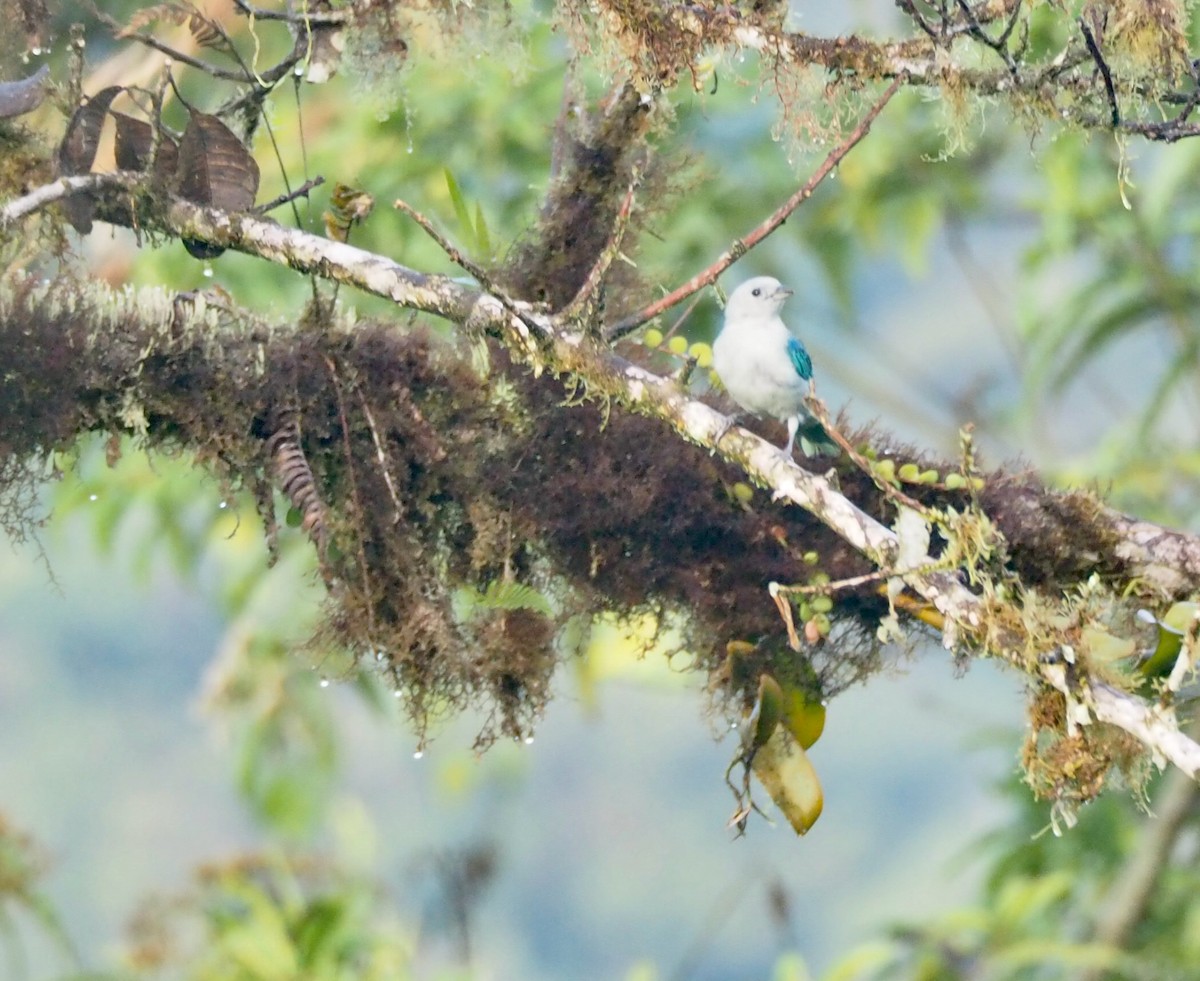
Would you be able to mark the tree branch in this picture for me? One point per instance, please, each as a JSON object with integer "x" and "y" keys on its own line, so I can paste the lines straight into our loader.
{"x": 546, "y": 342}
{"x": 47, "y": 194}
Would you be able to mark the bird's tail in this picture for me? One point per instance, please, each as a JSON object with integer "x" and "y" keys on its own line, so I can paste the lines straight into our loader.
{"x": 815, "y": 441}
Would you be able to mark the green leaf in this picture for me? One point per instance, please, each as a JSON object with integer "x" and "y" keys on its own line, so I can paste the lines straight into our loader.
{"x": 321, "y": 931}
{"x": 866, "y": 959}
{"x": 483, "y": 237}
{"x": 501, "y": 595}
{"x": 785, "y": 770}
{"x": 460, "y": 206}
{"x": 259, "y": 942}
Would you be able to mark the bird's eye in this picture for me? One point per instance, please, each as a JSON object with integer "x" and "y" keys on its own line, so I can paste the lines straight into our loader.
{"x": 756, "y": 292}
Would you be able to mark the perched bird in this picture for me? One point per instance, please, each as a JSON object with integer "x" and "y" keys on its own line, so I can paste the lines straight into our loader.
{"x": 764, "y": 366}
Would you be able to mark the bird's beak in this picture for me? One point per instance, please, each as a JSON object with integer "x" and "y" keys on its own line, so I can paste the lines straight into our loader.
{"x": 784, "y": 292}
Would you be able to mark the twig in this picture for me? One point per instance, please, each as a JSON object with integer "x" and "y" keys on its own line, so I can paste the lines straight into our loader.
{"x": 321, "y": 18}
{"x": 175, "y": 54}
{"x": 1094, "y": 50}
{"x": 741, "y": 246}
{"x": 911, "y": 9}
{"x": 818, "y": 410}
{"x": 822, "y": 589}
{"x": 384, "y": 466}
{"x": 456, "y": 256}
{"x": 355, "y": 497}
{"x": 611, "y": 248}
{"x": 288, "y": 196}
{"x": 682, "y": 319}
{"x": 1000, "y": 44}
{"x": 459, "y": 259}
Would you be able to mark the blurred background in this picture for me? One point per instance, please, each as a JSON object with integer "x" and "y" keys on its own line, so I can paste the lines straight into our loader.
{"x": 204, "y": 801}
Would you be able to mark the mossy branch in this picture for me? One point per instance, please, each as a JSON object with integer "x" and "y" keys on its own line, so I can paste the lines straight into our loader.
{"x": 563, "y": 349}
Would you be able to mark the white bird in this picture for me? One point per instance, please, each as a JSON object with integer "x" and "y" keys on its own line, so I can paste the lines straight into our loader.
{"x": 764, "y": 366}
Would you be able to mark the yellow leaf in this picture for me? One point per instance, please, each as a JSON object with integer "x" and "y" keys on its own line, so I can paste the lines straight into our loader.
{"x": 789, "y": 777}
{"x": 803, "y": 716}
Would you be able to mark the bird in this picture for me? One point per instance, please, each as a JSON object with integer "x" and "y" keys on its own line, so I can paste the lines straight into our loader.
{"x": 764, "y": 366}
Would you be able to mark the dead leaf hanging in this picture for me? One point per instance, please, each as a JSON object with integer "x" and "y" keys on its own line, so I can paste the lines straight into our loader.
{"x": 205, "y": 30}
{"x": 77, "y": 153}
{"x": 214, "y": 170}
{"x": 132, "y": 148}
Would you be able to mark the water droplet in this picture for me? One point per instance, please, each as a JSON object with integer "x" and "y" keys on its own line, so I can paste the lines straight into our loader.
{"x": 397, "y": 694}
{"x": 733, "y": 725}
{"x": 93, "y": 497}
{"x": 298, "y": 71}
{"x": 418, "y": 754}
{"x": 208, "y": 272}
{"x": 35, "y": 51}
{"x": 529, "y": 740}
{"x": 324, "y": 682}
{"x": 223, "y": 505}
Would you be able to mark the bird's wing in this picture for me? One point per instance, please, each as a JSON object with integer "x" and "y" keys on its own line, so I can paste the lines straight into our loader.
{"x": 799, "y": 358}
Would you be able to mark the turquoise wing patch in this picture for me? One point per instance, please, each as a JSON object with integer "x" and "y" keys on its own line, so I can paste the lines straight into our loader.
{"x": 800, "y": 359}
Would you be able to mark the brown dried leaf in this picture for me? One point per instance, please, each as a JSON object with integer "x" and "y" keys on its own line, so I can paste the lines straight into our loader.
{"x": 134, "y": 138}
{"x": 206, "y": 31}
{"x": 77, "y": 152}
{"x": 214, "y": 169}
{"x": 18, "y": 98}
{"x": 176, "y": 13}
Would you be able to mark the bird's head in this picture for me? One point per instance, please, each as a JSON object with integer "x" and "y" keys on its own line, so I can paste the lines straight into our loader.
{"x": 762, "y": 296}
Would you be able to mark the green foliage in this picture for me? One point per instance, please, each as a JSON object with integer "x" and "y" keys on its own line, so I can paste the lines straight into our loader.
{"x": 275, "y": 703}
{"x": 274, "y": 917}
{"x": 1115, "y": 266}
{"x": 475, "y": 231}
{"x": 502, "y": 595}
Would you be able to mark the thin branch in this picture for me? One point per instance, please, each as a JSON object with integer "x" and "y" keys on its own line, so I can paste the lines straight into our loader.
{"x": 910, "y": 8}
{"x": 1094, "y": 50}
{"x": 612, "y": 247}
{"x": 741, "y": 246}
{"x": 999, "y": 45}
{"x": 385, "y": 467}
{"x": 312, "y": 18}
{"x": 460, "y": 259}
{"x": 150, "y": 41}
{"x": 289, "y": 196}
{"x": 821, "y": 414}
